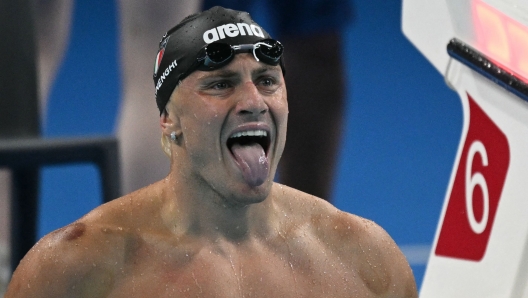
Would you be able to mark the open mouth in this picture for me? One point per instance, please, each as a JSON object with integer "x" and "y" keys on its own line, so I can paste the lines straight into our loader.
{"x": 250, "y": 148}
{"x": 249, "y": 138}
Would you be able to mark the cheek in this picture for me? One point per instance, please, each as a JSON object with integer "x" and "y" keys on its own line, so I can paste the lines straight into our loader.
{"x": 199, "y": 131}
{"x": 205, "y": 109}
{"x": 200, "y": 113}
{"x": 279, "y": 108}
{"x": 201, "y": 127}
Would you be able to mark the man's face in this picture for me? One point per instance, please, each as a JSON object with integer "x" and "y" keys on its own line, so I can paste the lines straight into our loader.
{"x": 233, "y": 125}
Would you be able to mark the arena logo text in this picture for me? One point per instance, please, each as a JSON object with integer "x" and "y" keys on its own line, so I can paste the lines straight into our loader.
{"x": 231, "y": 30}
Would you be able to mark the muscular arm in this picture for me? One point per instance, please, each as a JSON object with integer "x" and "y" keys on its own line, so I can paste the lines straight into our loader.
{"x": 355, "y": 249}
{"x": 66, "y": 263}
{"x": 383, "y": 267}
{"x": 383, "y": 252}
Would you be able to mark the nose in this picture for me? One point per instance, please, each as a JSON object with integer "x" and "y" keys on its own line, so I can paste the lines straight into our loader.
{"x": 251, "y": 101}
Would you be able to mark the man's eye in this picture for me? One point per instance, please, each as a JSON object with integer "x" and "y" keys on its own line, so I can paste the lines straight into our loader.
{"x": 267, "y": 82}
{"x": 220, "y": 85}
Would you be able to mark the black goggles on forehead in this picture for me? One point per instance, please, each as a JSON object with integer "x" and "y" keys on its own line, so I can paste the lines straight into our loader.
{"x": 217, "y": 55}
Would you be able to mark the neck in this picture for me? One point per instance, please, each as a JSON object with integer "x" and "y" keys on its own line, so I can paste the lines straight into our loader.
{"x": 196, "y": 210}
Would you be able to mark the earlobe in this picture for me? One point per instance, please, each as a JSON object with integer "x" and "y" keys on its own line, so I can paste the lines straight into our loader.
{"x": 166, "y": 145}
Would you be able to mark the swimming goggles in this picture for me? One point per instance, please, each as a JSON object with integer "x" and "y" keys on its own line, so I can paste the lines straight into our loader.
{"x": 216, "y": 55}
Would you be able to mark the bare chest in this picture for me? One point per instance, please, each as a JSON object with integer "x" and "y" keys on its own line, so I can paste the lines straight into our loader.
{"x": 261, "y": 273}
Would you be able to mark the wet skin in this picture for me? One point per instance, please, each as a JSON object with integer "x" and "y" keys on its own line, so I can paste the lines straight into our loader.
{"x": 208, "y": 107}
{"x": 204, "y": 231}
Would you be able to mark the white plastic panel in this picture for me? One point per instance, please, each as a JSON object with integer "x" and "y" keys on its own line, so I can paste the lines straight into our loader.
{"x": 481, "y": 244}
{"x": 427, "y": 25}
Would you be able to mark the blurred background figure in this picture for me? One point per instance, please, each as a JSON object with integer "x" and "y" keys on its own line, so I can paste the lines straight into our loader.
{"x": 141, "y": 26}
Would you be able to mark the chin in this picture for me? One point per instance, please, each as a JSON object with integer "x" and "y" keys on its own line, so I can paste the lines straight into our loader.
{"x": 247, "y": 195}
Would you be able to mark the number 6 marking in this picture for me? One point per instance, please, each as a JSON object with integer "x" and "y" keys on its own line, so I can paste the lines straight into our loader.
{"x": 472, "y": 181}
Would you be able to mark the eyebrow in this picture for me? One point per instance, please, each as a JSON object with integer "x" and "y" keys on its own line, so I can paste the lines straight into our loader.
{"x": 211, "y": 76}
{"x": 264, "y": 69}
{"x": 224, "y": 73}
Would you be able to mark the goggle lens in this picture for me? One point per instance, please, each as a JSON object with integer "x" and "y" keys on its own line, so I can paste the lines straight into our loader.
{"x": 273, "y": 51}
{"x": 216, "y": 55}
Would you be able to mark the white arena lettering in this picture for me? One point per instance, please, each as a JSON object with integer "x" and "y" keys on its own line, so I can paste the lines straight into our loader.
{"x": 243, "y": 28}
{"x": 257, "y": 31}
{"x": 210, "y": 35}
{"x": 231, "y": 30}
{"x": 220, "y": 30}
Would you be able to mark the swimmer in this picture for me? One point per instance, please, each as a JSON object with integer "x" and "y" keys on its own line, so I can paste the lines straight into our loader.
{"x": 217, "y": 225}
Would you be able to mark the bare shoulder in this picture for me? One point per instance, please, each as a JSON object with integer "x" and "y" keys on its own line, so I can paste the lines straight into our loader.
{"x": 361, "y": 244}
{"x": 68, "y": 262}
{"x": 64, "y": 261}
{"x": 380, "y": 263}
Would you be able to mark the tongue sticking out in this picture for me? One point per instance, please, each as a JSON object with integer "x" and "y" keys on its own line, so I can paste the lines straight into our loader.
{"x": 253, "y": 162}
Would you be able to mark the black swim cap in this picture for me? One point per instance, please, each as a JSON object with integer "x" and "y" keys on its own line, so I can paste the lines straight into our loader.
{"x": 179, "y": 47}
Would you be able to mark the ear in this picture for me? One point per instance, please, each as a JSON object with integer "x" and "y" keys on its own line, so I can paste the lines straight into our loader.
{"x": 166, "y": 123}
{"x": 170, "y": 123}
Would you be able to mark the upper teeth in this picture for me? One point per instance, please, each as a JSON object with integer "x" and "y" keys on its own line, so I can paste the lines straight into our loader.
{"x": 250, "y": 133}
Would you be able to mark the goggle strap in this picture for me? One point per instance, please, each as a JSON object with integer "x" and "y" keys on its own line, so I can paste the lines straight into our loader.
{"x": 253, "y": 47}
{"x": 257, "y": 45}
